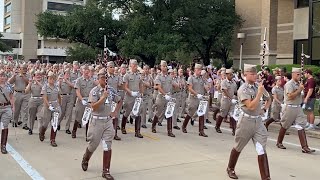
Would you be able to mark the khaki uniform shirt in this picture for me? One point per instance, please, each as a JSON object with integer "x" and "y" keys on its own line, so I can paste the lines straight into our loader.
{"x": 7, "y": 90}
{"x": 290, "y": 87}
{"x": 230, "y": 86}
{"x": 94, "y": 96}
{"x": 133, "y": 80}
{"x": 115, "y": 81}
{"x": 276, "y": 90}
{"x": 248, "y": 91}
{"x": 197, "y": 84}
{"x": 147, "y": 80}
{"x": 19, "y": 83}
{"x": 35, "y": 89}
{"x": 85, "y": 86}
{"x": 165, "y": 81}
{"x": 52, "y": 93}
{"x": 64, "y": 87}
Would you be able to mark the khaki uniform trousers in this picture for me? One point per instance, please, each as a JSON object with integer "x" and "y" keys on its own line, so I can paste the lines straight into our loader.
{"x": 143, "y": 108}
{"x": 100, "y": 129}
{"x": 226, "y": 107}
{"x": 47, "y": 115}
{"x": 182, "y": 109}
{"x": 128, "y": 105}
{"x": 193, "y": 103}
{"x": 21, "y": 107}
{"x": 161, "y": 105}
{"x": 79, "y": 110}
{"x": 35, "y": 106}
{"x": 66, "y": 109}
{"x": 176, "y": 108}
{"x": 5, "y": 116}
{"x": 293, "y": 114}
{"x": 250, "y": 128}
{"x": 275, "y": 111}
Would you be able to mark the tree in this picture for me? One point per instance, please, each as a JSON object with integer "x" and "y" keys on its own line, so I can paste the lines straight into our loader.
{"x": 81, "y": 53}
{"x": 3, "y": 46}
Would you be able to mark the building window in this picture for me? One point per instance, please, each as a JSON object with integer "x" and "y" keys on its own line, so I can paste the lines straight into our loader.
{"x": 39, "y": 44}
{"x": 301, "y": 3}
{"x": 298, "y": 50}
{"x": 7, "y": 20}
{"x": 53, "y": 6}
{"x": 7, "y": 8}
{"x": 12, "y": 43}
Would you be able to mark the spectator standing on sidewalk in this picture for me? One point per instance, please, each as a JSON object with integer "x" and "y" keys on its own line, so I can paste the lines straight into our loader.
{"x": 309, "y": 98}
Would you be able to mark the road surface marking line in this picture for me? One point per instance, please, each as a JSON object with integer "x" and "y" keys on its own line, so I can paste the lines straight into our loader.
{"x": 24, "y": 164}
{"x": 143, "y": 134}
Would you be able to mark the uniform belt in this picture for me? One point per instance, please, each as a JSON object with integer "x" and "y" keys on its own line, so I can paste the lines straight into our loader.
{"x": 291, "y": 105}
{"x": 19, "y": 91}
{"x": 4, "y": 104}
{"x": 36, "y": 97}
{"x": 53, "y": 101}
{"x": 249, "y": 116}
{"x": 220, "y": 93}
{"x": 101, "y": 117}
{"x": 65, "y": 94}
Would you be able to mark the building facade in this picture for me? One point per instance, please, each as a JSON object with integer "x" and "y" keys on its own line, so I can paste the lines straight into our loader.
{"x": 289, "y": 24}
{"x": 20, "y": 31}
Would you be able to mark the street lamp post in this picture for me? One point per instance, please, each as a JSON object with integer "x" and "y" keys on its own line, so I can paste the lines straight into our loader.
{"x": 241, "y": 37}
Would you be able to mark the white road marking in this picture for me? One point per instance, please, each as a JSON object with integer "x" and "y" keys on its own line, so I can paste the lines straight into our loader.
{"x": 24, "y": 164}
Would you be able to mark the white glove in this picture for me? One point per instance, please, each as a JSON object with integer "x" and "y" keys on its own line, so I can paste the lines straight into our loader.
{"x": 233, "y": 101}
{"x": 199, "y": 96}
{"x": 51, "y": 108}
{"x": 304, "y": 106}
{"x": 84, "y": 102}
{"x": 134, "y": 94}
{"x": 167, "y": 97}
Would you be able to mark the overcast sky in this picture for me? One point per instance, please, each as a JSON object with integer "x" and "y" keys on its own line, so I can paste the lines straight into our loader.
{"x": 1, "y": 15}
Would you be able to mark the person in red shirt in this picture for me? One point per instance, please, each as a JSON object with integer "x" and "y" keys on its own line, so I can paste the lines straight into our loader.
{"x": 309, "y": 98}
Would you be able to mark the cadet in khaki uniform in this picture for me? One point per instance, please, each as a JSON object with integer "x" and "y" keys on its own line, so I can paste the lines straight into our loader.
{"x": 227, "y": 103}
{"x": 218, "y": 88}
{"x": 250, "y": 124}
{"x": 183, "y": 93}
{"x": 115, "y": 82}
{"x": 36, "y": 101}
{"x": 21, "y": 98}
{"x": 66, "y": 87}
{"x": 197, "y": 89}
{"x": 123, "y": 71}
{"x": 101, "y": 127}
{"x": 83, "y": 87}
{"x": 163, "y": 82}
{"x": 6, "y": 94}
{"x": 74, "y": 75}
{"x": 293, "y": 111}
{"x": 133, "y": 87}
{"x": 176, "y": 94}
{"x": 52, "y": 103}
{"x": 147, "y": 83}
{"x": 278, "y": 96}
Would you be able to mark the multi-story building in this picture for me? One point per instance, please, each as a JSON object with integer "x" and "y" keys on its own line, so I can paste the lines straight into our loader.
{"x": 20, "y": 31}
{"x": 289, "y": 24}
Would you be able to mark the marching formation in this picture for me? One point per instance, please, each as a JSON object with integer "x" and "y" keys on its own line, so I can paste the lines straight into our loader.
{"x": 105, "y": 97}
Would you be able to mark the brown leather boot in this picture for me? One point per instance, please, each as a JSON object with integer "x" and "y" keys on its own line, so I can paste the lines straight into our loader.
{"x": 304, "y": 143}
{"x": 4, "y": 138}
{"x": 218, "y": 124}
{"x": 115, "y": 124}
{"x": 281, "y": 135}
{"x": 268, "y": 122}
{"x": 215, "y": 112}
{"x": 53, "y": 138}
{"x": 123, "y": 125}
{"x": 185, "y": 123}
{"x": 74, "y": 129}
{"x": 137, "y": 126}
{"x": 85, "y": 160}
{"x": 201, "y": 127}
{"x": 234, "y": 155}
{"x": 264, "y": 167}
{"x": 169, "y": 127}
{"x": 106, "y": 165}
{"x": 41, "y": 133}
{"x": 233, "y": 124}
{"x": 154, "y": 124}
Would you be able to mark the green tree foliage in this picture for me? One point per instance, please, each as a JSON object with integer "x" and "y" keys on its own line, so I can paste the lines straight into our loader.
{"x": 81, "y": 53}
{"x": 3, "y": 46}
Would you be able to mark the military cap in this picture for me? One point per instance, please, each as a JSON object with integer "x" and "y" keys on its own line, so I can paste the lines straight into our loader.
{"x": 102, "y": 72}
{"x": 50, "y": 73}
{"x": 277, "y": 77}
{"x": 110, "y": 64}
{"x": 133, "y": 61}
{"x": 296, "y": 70}
{"x": 163, "y": 63}
{"x": 75, "y": 63}
{"x": 198, "y": 66}
{"x": 249, "y": 68}
{"x": 229, "y": 71}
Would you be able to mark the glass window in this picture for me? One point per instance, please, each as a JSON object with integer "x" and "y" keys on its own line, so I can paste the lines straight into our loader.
{"x": 12, "y": 43}
{"x": 53, "y": 6}
{"x": 7, "y": 8}
{"x": 39, "y": 44}
{"x": 302, "y": 3}
{"x": 7, "y": 20}
{"x": 316, "y": 19}
{"x": 316, "y": 48}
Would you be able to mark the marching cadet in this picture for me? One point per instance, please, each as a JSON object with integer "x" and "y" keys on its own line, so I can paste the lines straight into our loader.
{"x": 74, "y": 75}
{"x": 227, "y": 103}
{"x": 36, "y": 101}
{"x": 21, "y": 98}
{"x": 147, "y": 83}
{"x": 101, "y": 125}
{"x": 163, "y": 83}
{"x": 6, "y": 95}
{"x": 115, "y": 82}
{"x": 293, "y": 111}
{"x": 123, "y": 71}
{"x": 83, "y": 87}
{"x": 52, "y": 103}
{"x": 176, "y": 94}
{"x": 197, "y": 90}
{"x": 221, "y": 76}
{"x": 133, "y": 88}
{"x": 66, "y": 88}
{"x": 250, "y": 124}
{"x": 278, "y": 95}
{"x": 183, "y": 92}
